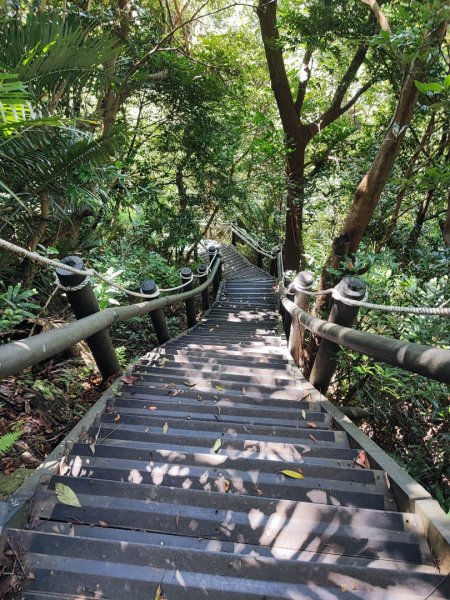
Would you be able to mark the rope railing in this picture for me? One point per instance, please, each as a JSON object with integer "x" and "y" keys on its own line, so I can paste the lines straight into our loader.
{"x": 441, "y": 311}
{"x": 90, "y": 272}
{"x": 20, "y": 354}
{"x": 251, "y": 241}
{"x": 428, "y": 361}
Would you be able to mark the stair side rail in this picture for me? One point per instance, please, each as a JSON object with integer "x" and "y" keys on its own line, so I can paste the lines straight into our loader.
{"x": 424, "y": 360}
{"x": 20, "y": 354}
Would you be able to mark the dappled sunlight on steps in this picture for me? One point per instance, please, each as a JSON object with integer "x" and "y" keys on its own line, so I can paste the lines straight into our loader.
{"x": 181, "y": 486}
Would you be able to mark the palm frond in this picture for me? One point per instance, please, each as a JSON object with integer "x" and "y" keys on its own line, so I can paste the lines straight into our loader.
{"x": 48, "y": 52}
{"x": 49, "y": 158}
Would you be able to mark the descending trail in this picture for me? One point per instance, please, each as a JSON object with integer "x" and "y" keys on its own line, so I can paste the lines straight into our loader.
{"x": 182, "y": 490}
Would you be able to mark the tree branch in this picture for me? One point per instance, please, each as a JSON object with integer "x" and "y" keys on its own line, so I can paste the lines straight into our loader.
{"x": 379, "y": 14}
{"x": 267, "y": 15}
{"x": 335, "y": 110}
{"x": 303, "y": 83}
{"x": 141, "y": 62}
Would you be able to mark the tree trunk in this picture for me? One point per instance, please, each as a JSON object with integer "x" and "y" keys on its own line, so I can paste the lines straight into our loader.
{"x": 446, "y": 226}
{"x": 420, "y": 219}
{"x": 372, "y": 185}
{"x": 409, "y": 172}
{"x": 299, "y": 134}
{"x": 294, "y": 248}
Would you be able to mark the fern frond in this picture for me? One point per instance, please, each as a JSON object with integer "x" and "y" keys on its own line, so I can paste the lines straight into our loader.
{"x": 8, "y": 440}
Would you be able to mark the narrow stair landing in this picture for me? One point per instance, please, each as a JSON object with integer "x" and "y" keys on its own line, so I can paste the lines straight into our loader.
{"x": 182, "y": 490}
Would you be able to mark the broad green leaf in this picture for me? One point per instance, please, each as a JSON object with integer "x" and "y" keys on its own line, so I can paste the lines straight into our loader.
{"x": 217, "y": 445}
{"x": 432, "y": 86}
{"x": 292, "y": 474}
{"x": 66, "y": 495}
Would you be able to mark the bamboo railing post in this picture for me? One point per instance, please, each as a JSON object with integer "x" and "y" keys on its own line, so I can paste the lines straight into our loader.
{"x": 233, "y": 234}
{"x": 287, "y": 318}
{"x": 259, "y": 256}
{"x": 84, "y": 303}
{"x": 214, "y": 257}
{"x": 342, "y": 314}
{"x": 202, "y": 273}
{"x": 191, "y": 316}
{"x": 303, "y": 282}
{"x": 157, "y": 316}
{"x": 274, "y": 265}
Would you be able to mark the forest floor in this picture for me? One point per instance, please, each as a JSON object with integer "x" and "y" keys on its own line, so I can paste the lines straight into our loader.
{"x": 46, "y": 401}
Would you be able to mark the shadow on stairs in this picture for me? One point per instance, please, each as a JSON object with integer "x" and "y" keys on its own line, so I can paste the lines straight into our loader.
{"x": 215, "y": 473}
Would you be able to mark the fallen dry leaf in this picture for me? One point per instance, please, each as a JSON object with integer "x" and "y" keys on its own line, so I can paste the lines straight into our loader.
{"x": 128, "y": 379}
{"x": 152, "y": 407}
{"x": 117, "y": 417}
{"x": 362, "y": 460}
{"x": 189, "y": 383}
{"x": 259, "y": 491}
{"x": 291, "y": 474}
{"x": 227, "y": 486}
{"x": 92, "y": 448}
{"x": 311, "y": 425}
{"x": 304, "y": 415}
{"x": 103, "y": 524}
{"x": 166, "y": 427}
{"x": 313, "y": 438}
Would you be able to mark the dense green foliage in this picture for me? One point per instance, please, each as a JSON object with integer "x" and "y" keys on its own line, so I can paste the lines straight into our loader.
{"x": 126, "y": 130}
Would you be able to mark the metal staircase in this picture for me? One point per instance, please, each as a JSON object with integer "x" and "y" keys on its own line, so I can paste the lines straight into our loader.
{"x": 182, "y": 489}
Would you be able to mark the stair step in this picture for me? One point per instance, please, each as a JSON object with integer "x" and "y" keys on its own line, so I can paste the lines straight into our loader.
{"x": 288, "y": 524}
{"x": 219, "y": 478}
{"x": 154, "y": 391}
{"x": 225, "y": 357}
{"x": 178, "y": 541}
{"x": 180, "y": 407}
{"x": 231, "y": 387}
{"x": 213, "y": 366}
{"x": 289, "y": 453}
{"x": 187, "y": 371}
{"x": 140, "y": 427}
{"x": 329, "y": 470}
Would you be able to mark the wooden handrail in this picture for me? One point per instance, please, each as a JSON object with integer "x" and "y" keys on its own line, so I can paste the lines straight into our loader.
{"x": 428, "y": 361}
{"x": 18, "y": 355}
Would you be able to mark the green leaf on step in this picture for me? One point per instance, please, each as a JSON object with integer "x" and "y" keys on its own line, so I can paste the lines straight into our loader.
{"x": 217, "y": 445}
{"x": 66, "y": 495}
{"x": 292, "y": 474}
{"x": 219, "y": 387}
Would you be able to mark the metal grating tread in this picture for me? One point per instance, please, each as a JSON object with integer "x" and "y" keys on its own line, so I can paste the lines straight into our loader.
{"x": 181, "y": 484}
